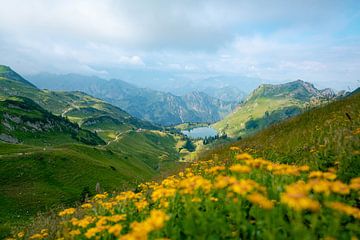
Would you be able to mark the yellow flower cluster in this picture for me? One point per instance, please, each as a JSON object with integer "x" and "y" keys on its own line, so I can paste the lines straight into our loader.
{"x": 68, "y": 211}
{"x": 348, "y": 210}
{"x": 296, "y": 197}
{"x": 208, "y": 189}
{"x": 44, "y": 233}
{"x": 140, "y": 230}
{"x": 275, "y": 168}
{"x": 260, "y": 200}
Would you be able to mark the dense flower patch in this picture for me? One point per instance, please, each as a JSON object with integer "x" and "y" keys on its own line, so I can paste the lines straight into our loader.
{"x": 237, "y": 198}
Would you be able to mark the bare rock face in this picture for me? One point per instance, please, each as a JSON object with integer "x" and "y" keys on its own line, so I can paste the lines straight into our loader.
{"x": 8, "y": 138}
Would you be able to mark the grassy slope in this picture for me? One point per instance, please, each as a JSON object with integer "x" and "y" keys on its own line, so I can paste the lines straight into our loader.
{"x": 153, "y": 147}
{"x": 234, "y": 124}
{"x": 43, "y": 179}
{"x": 33, "y": 179}
{"x": 322, "y": 137}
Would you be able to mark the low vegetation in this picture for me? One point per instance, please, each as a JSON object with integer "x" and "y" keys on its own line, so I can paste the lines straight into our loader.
{"x": 238, "y": 197}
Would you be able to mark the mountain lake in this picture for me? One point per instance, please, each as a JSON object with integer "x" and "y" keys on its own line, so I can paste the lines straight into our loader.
{"x": 200, "y": 132}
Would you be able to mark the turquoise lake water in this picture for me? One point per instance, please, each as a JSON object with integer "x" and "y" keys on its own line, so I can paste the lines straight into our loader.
{"x": 200, "y": 132}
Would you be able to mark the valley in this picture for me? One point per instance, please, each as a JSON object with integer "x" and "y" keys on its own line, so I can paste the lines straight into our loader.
{"x": 56, "y": 146}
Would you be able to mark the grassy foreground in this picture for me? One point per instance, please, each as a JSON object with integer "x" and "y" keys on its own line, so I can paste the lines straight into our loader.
{"x": 239, "y": 197}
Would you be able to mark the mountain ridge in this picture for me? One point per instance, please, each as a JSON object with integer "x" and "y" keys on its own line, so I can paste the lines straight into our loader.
{"x": 270, "y": 103}
{"x": 159, "y": 107}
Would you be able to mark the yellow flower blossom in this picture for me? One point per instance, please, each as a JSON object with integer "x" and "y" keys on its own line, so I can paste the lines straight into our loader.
{"x": 37, "y": 236}
{"x": 260, "y": 200}
{"x": 296, "y": 197}
{"x": 75, "y": 232}
{"x": 346, "y": 209}
{"x": 243, "y": 156}
{"x": 141, "y": 204}
{"x": 215, "y": 169}
{"x": 92, "y": 232}
{"x": 240, "y": 168}
{"x": 68, "y": 211}
{"x": 355, "y": 183}
{"x": 86, "y": 206}
{"x": 20, "y": 234}
{"x": 83, "y": 223}
{"x": 115, "y": 230}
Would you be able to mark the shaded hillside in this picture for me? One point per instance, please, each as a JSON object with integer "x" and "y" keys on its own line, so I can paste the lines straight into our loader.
{"x": 269, "y": 104}
{"x": 155, "y": 106}
{"x": 23, "y": 121}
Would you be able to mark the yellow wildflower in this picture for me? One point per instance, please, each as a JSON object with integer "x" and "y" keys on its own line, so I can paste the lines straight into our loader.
{"x": 115, "y": 230}
{"x": 82, "y": 222}
{"x": 355, "y": 183}
{"x": 86, "y": 205}
{"x": 91, "y": 232}
{"x": 37, "y": 236}
{"x": 240, "y": 168}
{"x": 339, "y": 187}
{"x": 214, "y": 199}
{"x": 348, "y": 210}
{"x": 20, "y": 234}
{"x": 141, "y": 204}
{"x": 258, "y": 199}
{"x": 74, "y": 232}
{"x": 243, "y": 156}
{"x": 68, "y": 211}
{"x": 100, "y": 196}
{"x": 215, "y": 169}
{"x": 296, "y": 197}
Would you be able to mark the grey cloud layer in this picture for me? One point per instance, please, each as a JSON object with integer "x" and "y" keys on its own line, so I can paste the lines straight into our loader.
{"x": 280, "y": 41}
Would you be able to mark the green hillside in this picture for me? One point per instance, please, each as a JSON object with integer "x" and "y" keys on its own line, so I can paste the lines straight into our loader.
{"x": 324, "y": 137}
{"x": 269, "y": 104}
{"x": 78, "y": 107}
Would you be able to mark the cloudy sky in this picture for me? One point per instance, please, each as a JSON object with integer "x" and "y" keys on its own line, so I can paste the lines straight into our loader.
{"x": 317, "y": 41}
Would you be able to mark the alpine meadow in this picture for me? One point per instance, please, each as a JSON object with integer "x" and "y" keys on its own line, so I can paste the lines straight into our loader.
{"x": 138, "y": 120}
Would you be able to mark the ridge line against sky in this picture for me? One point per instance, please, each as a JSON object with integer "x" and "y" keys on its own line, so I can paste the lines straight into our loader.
{"x": 278, "y": 41}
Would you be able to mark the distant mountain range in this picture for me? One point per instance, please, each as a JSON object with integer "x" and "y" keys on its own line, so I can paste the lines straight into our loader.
{"x": 269, "y": 104}
{"x": 158, "y": 107}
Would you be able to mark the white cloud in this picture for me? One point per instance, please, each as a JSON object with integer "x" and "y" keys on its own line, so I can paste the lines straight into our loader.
{"x": 276, "y": 40}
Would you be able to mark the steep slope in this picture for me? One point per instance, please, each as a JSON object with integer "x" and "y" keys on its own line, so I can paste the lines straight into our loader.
{"x": 269, "y": 104}
{"x": 7, "y": 73}
{"x": 77, "y": 106}
{"x": 155, "y": 106}
{"x": 323, "y": 137}
{"x": 23, "y": 121}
